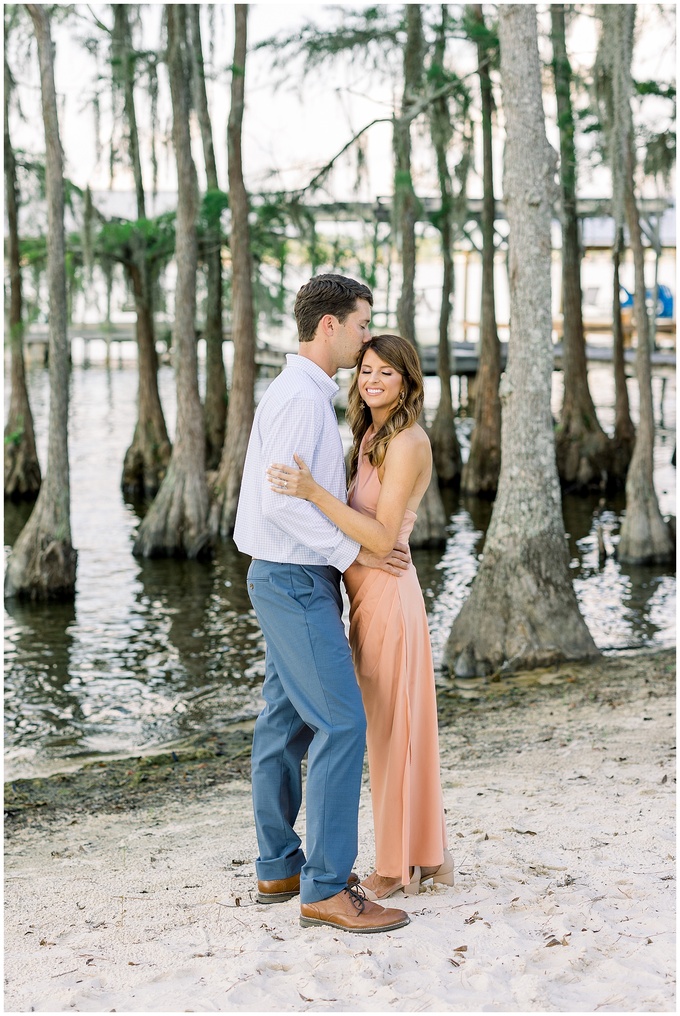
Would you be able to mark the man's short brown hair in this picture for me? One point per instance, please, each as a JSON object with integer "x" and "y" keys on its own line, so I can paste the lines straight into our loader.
{"x": 327, "y": 294}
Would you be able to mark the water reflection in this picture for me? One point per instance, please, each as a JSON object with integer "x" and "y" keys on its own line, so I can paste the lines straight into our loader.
{"x": 154, "y": 653}
{"x": 16, "y": 517}
{"x": 208, "y": 645}
{"x": 43, "y": 712}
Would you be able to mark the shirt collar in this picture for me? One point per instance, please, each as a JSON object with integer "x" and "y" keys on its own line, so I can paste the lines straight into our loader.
{"x": 325, "y": 383}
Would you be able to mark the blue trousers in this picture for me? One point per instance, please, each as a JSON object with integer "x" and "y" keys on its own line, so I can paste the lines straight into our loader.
{"x": 312, "y": 705}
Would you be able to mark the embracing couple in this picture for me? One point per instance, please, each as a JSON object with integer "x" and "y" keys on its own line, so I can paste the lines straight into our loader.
{"x": 324, "y": 697}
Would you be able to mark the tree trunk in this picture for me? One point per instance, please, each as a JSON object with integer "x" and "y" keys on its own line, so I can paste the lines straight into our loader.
{"x": 216, "y": 400}
{"x": 481, "y": 471}
{"x": 645, "y": 537}
{"x": 522, "y": 610}
{"x": 430, "y": 526}
{"x": 22, "y": 469}
{"x": 624, "y": 431}
{"x": 42, "y": 565}
{"x": 146, "y": 460}
{"x": 445, "y": 446}
{"x": 405, "y": 200}
{"x": 176, "y": 524}
{"x": 242, "y": 397}
{"x": 215, "y": 405}
{"x": 583, "y": 449}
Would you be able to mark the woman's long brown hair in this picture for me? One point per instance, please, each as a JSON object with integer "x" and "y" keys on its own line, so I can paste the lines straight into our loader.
{"x": 402, "y": 356}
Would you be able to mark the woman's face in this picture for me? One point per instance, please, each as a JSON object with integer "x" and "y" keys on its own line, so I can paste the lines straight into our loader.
{"x": 379, "y": 384}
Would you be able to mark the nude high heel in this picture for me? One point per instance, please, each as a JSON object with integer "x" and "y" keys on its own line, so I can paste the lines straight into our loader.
{"x": 443, "y": 874}
{"x": 411, "y": 888}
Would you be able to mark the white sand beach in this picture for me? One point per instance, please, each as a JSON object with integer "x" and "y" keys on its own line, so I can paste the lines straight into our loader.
{"x": 561, "y": 817}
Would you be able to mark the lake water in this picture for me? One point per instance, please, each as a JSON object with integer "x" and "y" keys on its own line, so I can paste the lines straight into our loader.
{"x": 155, "y": 653}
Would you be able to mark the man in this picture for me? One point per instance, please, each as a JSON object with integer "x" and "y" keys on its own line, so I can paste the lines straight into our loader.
{"x": 312, "y": 700}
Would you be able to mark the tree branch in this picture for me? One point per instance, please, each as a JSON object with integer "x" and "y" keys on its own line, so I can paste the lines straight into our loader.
{"x": 413, "y": 112}
{"x": 329, "y": 165}
{"x": 98, "y": 23}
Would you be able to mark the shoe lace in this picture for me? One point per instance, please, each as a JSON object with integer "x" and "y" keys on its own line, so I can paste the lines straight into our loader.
{"x": 357, "y": 896}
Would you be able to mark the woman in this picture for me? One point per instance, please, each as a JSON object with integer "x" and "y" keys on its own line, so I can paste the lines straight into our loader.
{"x": 390, "y": 469}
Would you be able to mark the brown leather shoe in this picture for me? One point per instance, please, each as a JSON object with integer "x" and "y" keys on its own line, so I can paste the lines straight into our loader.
{"x": 278, "y": 890}
{"x": 351, "y": 911}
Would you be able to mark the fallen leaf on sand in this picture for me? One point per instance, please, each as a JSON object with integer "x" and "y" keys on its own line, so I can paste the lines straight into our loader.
{"x": 556, "y": 941}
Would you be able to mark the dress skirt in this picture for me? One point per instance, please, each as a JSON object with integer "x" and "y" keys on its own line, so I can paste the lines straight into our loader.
{"x": 393, "y": 662}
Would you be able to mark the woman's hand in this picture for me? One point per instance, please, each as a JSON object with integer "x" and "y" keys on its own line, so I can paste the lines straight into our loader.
{"x": 291, "y": 481}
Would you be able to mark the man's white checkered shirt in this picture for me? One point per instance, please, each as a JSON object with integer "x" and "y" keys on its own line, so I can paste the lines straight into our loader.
{"x": 295, "y": 414}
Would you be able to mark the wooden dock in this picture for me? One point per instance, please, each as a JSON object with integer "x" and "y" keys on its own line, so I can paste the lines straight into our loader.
{"x": 464, "y": 355}
{"x": 36, "y": 343}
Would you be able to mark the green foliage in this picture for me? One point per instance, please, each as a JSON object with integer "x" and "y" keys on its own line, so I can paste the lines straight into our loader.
{"x": 15, "y": 437}
{"x": 660, "y": 144}
{"x": 16, "y": 333}
{"x": 12, "y": 16}
{"x": 283, "y": 230}
{"x": 484, "y": 31}
{"x": 655, "y": 88}
{"x": 213, "y": 204}
{"x": 268, "y": 230}
{"x": 33, "y": 251}
{"x": 72, "y": 263}
{"x": 660, "y": 155}
{"x": 72, "y": 195}
{"x": 438, "y": 77}
{"x": 61, "y": 13}
{"x": 594, "y": 121}
{"x": 360, "y": 33}
{"x": 31, "y": 176}
{"x": 269, "y": 246}
{"x": 403, "y": 182}
{"x": 118, "y": 239}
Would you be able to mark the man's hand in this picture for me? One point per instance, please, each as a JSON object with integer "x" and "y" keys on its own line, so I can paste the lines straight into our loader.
{"x": 396, "y": 562}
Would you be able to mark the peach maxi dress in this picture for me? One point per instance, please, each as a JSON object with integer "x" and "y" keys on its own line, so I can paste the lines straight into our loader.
{"x": 393, "y": 663}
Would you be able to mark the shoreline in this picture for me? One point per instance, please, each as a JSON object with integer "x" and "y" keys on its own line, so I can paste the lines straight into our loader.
{"x": 559, "y": 790}
{"x": 150, "y": 778}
